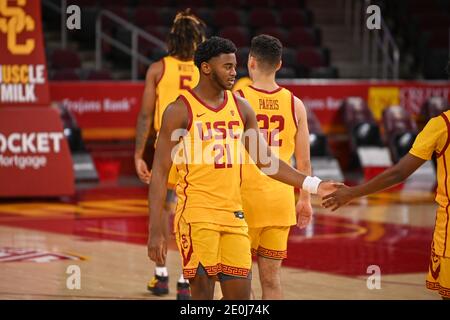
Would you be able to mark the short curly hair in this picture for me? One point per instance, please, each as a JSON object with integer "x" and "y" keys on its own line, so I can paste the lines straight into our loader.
{"x": 213, "y": 47}
{"x": 267, "y": 50}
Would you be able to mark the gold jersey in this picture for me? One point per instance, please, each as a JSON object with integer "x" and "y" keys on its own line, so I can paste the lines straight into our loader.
{"x": 177, "y": 77}
{"x": 435, "y": 138}
{"x": 268, "y": 202}
{"x": 209, "y": 165}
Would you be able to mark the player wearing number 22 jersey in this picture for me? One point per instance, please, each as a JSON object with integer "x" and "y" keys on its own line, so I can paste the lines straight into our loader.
{"x": 269, "y": 203}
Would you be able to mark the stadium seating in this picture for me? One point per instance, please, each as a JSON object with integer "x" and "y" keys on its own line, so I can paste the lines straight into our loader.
{"x": 293, "y": 18}
{"x": 262, "y": 17}
{"x": 64, "y": 75}
{"x": 242, "y": 56}
{"x": 277, "y": 32}
{"x": 434, "y": 106}
{"x": 147, "y": 16}
{"x": 64, "y": 58}
{"x": 317, "y": 139}
{"x": 224, "y": 17}
{"x": 421, "y": 30}
{"x": 286, "y": 73}
{"x": 324, "y": 73}
{"x": 239, "y": 35}
{"x": 226, "y": 3}
{"x": 312, "y": 57}
{"x": 301, "y": 36}
{"x": 289, "y": 58}
{"x": 400, "y": 130}
{"x": 362, "y": 127}
{"x": 94, "y": 75}
{"x": 238, "y": 20}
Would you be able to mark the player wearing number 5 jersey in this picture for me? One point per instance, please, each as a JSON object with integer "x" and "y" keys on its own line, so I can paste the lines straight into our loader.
{"x": 177, "y": 76}
{"x": 166, "y": 79}
{"x": 269, "y": 205}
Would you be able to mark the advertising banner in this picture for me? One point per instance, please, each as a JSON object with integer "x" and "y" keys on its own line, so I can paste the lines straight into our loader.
{"x": 23, "y": 71}
{"x": 108, "y": 110}
{"x": 104, "y": 110}
{"x": 34, "y": 154}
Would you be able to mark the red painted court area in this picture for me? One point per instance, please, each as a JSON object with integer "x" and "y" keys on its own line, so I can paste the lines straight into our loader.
{"x": 330, "y": 244}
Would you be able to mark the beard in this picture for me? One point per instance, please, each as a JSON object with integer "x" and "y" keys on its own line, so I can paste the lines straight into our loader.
{"x": 224, "y": 85}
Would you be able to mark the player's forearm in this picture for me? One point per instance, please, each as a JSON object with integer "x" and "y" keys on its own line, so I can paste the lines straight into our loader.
{"x": 281, "y": 171}
{"x": 271, "y": 165}
{"x": 156, "y": 196}
{"x": 388, "y": 178}
{"x": 304, "y": 166}
{"x": 142, "y": 132}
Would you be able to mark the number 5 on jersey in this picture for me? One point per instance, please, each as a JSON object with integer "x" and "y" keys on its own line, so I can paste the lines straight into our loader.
{"x": 185, "y": 82}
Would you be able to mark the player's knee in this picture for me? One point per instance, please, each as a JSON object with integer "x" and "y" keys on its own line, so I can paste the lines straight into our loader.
{"x": 270, "y": 280}
{"x": 202, "y": 287}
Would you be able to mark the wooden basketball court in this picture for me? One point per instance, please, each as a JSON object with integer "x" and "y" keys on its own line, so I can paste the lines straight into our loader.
{"x": 103, "y": 231}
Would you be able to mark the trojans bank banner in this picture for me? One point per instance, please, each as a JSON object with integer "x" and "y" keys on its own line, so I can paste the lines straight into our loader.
{"x": 23, "y": 71}
{"x": 104, "y": 110}
{"x": 108, "y": 109}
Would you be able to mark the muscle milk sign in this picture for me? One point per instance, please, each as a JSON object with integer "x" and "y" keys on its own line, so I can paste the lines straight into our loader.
{"x": 23, "y": 73}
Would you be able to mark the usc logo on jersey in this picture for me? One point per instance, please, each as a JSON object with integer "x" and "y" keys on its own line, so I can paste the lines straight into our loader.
{"x": 218, "y": 130}
{"x": 13, "y": 21}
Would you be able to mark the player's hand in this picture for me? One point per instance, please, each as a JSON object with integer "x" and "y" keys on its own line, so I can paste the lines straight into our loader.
{"x": 340, "y": 197}
{"x": 142, "y": 170}
{"x": 304, "y": 212}
{"x": 327, "y": 187}
{"x": 157, "y": 248}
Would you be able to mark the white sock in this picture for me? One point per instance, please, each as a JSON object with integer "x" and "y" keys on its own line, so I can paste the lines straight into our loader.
{"x": 182, "y": 279}
{"x": 161, "y": 271}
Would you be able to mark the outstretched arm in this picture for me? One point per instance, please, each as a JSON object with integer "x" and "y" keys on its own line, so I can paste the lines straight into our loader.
{"x": 275, "y": 168}
{"x": 145, "y": 119}
{"x": 175, "y": 117}
{"x": 392, "y": 176}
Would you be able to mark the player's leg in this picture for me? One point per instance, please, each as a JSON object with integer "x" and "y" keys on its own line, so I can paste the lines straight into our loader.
{"x": 183, "y": 288}
{"x": 271, "y": 251}
{"x": 198, "y": 244}
{"x": 159, "y": 284}
{"x": 254, "y": 234}
{"x": 236, "y": 262}
{"x": 202, "y": 285}
{"x": 270, "y": 278}
{"x": 438, "y": 278}
{"x": 235, "y": 288}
